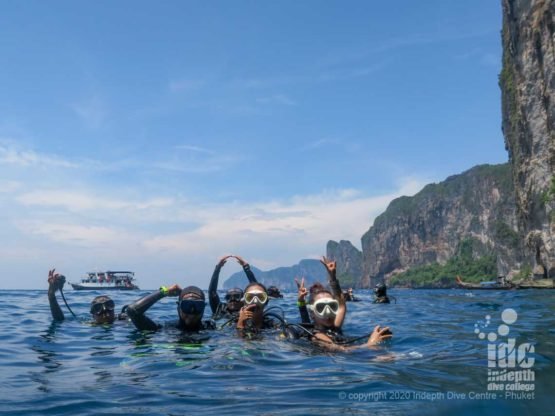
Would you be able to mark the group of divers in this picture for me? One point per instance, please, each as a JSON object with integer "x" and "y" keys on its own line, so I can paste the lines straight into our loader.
{"x": 322, "y": 309}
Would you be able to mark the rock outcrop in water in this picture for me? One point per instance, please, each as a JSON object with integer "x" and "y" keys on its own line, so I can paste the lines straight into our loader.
{"x": 282, "y": 277}
{"x": 527, "y": 83}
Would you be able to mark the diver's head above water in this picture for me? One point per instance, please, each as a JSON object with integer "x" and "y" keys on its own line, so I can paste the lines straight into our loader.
{"x": 255, "y": 300}
{"x": 323, "y": 306}
{"x": 234, "y": 299}
{"x": 102, "y": 310}
{"x": 190, "y": 307}
{"x": 256, "y": 294}
{"x": 380, "y": 290}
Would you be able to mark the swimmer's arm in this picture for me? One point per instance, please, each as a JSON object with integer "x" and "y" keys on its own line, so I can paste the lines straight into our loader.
{"x": 136, "y": 311}
{"x": 55, "y": 309}
{"x": 55, "y": 282}
{"x": 301, "y": 301}
{"x": 337, "y": 292}
{"x": 325, "y": 342}
{"x": 303, "y": 311}
{"x": 213, "y": 296}
{"x": 246, "y": 269}
{"x": 331, "y": 268}
{"x": 377, "y": 337}
{"x": 249, "y": 273}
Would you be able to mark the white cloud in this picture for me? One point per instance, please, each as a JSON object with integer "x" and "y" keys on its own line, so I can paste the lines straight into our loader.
{"x": 11, "y": 154}
{"x": 81, "y": 201}
{"x": 92, "y": 236}
{"x": 79, "y": 227}
{"x": 304, "y": 222}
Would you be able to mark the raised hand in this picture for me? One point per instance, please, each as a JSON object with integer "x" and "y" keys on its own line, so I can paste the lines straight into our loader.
{"x": 56, "y": 281}
{"x": 223, "y": 260}
{"x": 174, "y": 290}
{"x": 379, "y": 335}
{"x": 330, "y": 265}
{"x": 240, "y": 260}
{"x": 302, "y": 291}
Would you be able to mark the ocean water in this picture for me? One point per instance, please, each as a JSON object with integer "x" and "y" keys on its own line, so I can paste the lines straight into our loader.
{"x": 435, "y": 364}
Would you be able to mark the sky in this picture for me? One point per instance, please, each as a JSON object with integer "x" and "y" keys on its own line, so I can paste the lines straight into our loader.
{"x": 159, "y": 136}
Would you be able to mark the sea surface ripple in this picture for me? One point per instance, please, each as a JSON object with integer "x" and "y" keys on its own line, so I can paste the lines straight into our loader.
{"x": 73, "y": 367}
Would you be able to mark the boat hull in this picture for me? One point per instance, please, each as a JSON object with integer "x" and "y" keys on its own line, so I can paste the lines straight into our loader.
{"x": 77, "y": 286}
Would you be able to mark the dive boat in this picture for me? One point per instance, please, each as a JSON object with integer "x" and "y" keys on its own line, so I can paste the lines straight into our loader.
{"x": 110, "y": 280}
{"x": 500, "y": 284}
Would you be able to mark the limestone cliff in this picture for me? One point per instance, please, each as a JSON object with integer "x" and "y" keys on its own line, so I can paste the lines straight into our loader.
{"x": 527, "y": 83}
{"x": 428, "y": 227}
{"x": 349, "y": 261}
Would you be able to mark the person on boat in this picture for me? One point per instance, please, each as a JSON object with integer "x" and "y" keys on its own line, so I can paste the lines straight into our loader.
{"x": 326, "y": 311}
{"x": 233, "y": 297}
{"x": 190, "y": 309}
{"x": 381, "y": 293}
{"x": 102, "y": 307}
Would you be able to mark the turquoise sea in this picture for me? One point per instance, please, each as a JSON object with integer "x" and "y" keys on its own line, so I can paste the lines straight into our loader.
{"x": 436, "y": 363}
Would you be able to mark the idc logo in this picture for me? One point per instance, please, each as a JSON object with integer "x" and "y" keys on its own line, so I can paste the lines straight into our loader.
{"x": 509, "y": 363}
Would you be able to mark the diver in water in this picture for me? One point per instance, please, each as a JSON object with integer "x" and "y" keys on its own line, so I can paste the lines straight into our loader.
{"x": 350, "y": 296}
{"x": 254, "y": 316}
{"x": 327, "y": 309}
{"x": 102, "y": 307}
{"x": 190, "y": 309}
{"x": 233, "y": 297}
{"x": 381, "y": 293}
{"x": 274, "y": 292}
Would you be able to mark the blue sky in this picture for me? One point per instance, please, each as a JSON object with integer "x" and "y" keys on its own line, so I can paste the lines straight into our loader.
{"x": 158, "y": 136}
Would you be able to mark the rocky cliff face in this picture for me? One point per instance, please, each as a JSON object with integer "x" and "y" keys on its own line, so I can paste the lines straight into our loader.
{"x": 527, "y": 82}
{"x": 428, "y": 227}
{"x": 349, "y": 261}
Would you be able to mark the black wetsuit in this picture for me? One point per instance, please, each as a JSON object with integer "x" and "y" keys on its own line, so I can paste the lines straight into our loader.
{"x": 136, "y": 312}
{"x": 382, "y": 299}
{"x": 271, "y": 321}
{"x": 219, "y": 308}
{"x": 349, "y": 297}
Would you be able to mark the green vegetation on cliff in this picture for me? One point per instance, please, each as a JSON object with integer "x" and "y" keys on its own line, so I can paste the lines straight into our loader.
{"x": 464, "y": 264}
{"x": 451, "y": 188}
